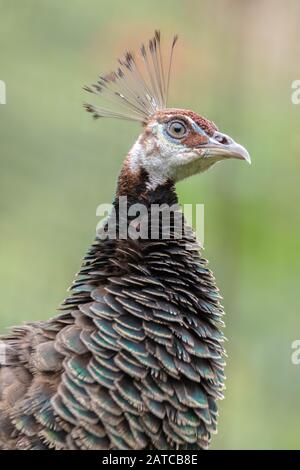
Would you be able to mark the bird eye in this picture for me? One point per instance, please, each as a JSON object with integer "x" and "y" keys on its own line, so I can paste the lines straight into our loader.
{"x": 177, "y": 129}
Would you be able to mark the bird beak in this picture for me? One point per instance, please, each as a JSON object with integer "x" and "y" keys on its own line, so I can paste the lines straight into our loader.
{"x": 221, "y": 146}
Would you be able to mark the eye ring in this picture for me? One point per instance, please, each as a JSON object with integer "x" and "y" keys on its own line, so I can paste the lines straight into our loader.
{"x": 177, "y": 129}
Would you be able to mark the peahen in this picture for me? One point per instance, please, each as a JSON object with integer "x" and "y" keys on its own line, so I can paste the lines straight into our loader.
{"x": 134, "y": 359}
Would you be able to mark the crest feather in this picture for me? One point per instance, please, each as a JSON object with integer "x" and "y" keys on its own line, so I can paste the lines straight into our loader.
{"x": 139, "y": 86}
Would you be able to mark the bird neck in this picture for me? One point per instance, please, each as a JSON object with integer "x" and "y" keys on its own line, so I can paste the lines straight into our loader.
{"x": 136, "y": 187}
{"x": 140, "y": 206}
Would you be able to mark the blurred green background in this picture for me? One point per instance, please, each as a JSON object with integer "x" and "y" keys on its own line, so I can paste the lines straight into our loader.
{"x": 234, "y": 64}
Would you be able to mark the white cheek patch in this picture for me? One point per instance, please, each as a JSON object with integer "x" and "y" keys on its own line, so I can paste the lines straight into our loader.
{"x": 135, "y": 156}
{"x": 163, "y": 159}
{"x": 156, "y": 155}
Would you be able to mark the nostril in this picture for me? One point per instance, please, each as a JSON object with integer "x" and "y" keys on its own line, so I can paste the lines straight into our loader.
{"x": 222, "y": 139}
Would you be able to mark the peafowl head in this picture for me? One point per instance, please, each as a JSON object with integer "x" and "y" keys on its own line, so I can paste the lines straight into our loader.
{"x": 175, "y": 143}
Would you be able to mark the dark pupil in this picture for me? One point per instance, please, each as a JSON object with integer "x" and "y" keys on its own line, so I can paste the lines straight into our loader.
{"x": 177, "y": 128}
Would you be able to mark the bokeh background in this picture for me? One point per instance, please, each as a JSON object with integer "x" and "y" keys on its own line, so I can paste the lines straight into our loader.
{"x": 234, "y": 64}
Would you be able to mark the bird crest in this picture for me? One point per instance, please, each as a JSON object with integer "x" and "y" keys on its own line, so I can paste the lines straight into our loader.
{"x": 138, "y": 87}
